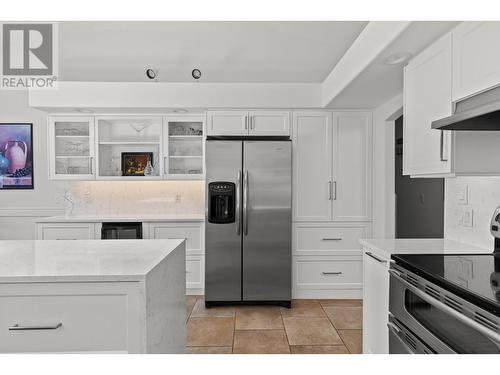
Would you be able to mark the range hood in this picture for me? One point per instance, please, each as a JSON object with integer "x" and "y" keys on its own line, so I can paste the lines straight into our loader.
{"x": 479, "y": 112}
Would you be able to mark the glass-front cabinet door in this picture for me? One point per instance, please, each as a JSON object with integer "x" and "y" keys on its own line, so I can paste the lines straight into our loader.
{"x": 185, "y": 150}
{"x": 71, "y": 147}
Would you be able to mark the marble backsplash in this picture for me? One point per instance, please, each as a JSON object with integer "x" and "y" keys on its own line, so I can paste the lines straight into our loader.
{"x": 134, "y": 197}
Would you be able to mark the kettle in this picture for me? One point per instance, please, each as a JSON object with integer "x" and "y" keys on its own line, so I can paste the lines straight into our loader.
{"x": 16, "y": 155}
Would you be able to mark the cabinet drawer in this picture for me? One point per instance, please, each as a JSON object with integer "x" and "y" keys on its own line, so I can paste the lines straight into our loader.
{"x": 327, "y": 273}
{"x": 192, "y": 232}
{"x": 195, "y": 272}
{"x": 309, "y": 240}
{"x": 54, "y": 231}
{"x": 89, "y": 323}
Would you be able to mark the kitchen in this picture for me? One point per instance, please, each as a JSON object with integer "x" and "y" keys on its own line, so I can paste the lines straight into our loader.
{"x": 251, "y": 203}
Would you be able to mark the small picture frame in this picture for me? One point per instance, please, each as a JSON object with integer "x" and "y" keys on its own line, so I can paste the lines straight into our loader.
{"x": 134, "y": 163}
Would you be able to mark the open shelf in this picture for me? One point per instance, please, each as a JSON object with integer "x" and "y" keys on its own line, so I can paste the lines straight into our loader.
{"x": 185, "y": 156}
{"x": 133, "y": 143}
{"x": 72, "y": 156}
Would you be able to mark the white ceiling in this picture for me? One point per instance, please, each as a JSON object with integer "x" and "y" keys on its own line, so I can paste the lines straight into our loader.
{"x": 380, "y": 82}
{"x": 226, "y": 52}
{"x": 223, "y": 51}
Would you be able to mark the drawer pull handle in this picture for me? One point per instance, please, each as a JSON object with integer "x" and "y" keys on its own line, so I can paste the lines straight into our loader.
{"x": 332, "y": 273}
{"x": 17, "y": 327}
{"x": 332, "y": 239}
{"x": 380, "y": 260}
{"x": 66, "y": 239}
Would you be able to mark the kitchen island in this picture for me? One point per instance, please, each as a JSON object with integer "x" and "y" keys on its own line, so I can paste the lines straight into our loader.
{"x": 125, "y": 296}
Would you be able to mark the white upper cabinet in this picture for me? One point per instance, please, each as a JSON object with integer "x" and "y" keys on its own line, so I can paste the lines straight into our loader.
{"x": 227, "y": 123}
{"x": 184, "y": 147}
{"x": 312, "y": 166}
{"x": 427, "y": 97}
{"x": 261, "y": 123}
{"x": 352, "y": 138}
{"x": 269, "y": 123}
{"x": 476, "y": 58}
{"x": 332, "y": 172}
{"x": 71, "y": 147}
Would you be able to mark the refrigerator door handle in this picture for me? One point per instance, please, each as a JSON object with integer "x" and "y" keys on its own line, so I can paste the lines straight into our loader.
{"x": 238, "y": 190}
{"x": 245, "y": 202}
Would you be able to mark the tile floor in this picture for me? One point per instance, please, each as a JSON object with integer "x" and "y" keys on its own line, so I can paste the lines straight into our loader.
{"x": 309, "y": 327}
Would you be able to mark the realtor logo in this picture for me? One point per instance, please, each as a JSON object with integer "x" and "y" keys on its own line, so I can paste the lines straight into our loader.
{"x": 29, "y": 58}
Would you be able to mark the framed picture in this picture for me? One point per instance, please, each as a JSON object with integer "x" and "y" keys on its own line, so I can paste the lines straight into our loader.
{"x": 16, "y": 156}
{"x": 134, "y": 163}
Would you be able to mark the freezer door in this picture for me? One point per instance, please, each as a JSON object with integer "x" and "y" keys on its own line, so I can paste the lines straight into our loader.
{"x": 267, "y": 220}
{"x": 223, "y": 240}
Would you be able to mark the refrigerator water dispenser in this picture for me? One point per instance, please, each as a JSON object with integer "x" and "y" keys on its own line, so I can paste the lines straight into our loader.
{"x": 221, "y": 208}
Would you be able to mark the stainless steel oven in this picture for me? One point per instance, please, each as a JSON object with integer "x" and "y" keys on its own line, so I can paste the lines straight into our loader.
{"x": 425, "y": 318}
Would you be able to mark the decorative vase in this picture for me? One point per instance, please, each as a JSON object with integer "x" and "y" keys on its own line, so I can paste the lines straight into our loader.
{"x": 148, "y": 170}
{"x": 16, "y": 155}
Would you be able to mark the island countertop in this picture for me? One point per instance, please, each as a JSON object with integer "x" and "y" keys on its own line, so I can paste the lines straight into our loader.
{"x": 81, "y": 261}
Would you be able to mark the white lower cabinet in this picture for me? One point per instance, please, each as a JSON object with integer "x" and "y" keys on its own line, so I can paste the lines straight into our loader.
{"x": 327, "y": 277}
{"x": 194, "y": 233}
{"x": 66, "y": 231}
{"x": 327, "y": 259}
{"x": 195, "y": 274}
{"x": 75, "y": 317}
{"x": 375, "y": 302}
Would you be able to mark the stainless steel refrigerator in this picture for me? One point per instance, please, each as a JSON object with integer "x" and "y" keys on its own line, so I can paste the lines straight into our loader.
{"x": 248, "y": 222}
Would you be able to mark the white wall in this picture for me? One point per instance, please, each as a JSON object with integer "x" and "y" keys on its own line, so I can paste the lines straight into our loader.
{"x": 383, "y": 167}
{"x": 19, "y": 208}
{"x": 483, "y": 198}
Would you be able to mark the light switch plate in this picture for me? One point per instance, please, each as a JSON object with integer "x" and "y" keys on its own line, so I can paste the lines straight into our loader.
{"x": 467, "y": 217}
{"x": 463, "y": 195}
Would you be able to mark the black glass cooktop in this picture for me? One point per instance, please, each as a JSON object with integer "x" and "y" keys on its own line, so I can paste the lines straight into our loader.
{"x": 474, "y": 277}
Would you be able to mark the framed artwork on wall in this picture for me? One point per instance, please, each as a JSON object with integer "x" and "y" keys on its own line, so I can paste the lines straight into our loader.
{"x": 16, "y": 156}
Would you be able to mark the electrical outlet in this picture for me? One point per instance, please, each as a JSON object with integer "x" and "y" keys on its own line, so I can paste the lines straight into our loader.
{"x": 467, "y": 217}
{"x": 463, "y": 195}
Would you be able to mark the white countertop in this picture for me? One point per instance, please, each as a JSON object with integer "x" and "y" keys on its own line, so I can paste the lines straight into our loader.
{"x": 121, "y": 218}
{"x": 387, "y": 247}
{"x": 92, "y": 260}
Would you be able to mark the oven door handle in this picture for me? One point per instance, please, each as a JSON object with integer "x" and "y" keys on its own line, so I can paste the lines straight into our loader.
{"x": 495, "y": 337}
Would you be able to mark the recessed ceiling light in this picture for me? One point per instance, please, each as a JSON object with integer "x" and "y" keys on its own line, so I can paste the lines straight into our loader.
{"x": 179, "y": 110}
{"x": 84, "y": 110}
{"x": 397, "y": 58}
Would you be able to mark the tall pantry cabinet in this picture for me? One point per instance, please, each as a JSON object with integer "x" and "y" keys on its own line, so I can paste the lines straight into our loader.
{"x": 332, "y": 179}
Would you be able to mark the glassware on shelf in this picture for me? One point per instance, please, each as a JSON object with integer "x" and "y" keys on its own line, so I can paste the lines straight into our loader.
{"x": 148, "y": 170}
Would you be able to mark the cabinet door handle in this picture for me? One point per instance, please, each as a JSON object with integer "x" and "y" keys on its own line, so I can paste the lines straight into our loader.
{"x": 17, "y": 327}
{"x": 251, "y": 122}
{"x": 246, "y": 122}
{"x": 330, "y": 190}
{"x": 380, "y": 260}
{"x": 165, "y": 165}
{"x": 91, "y": 165}
{"x": 331, "y": 239}
{"x": 441, "y": 147}
{"x": 332, "y": 273}
{"x": 334, "y": 190}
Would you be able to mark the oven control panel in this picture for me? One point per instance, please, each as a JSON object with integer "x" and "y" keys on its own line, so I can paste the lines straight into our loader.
{"x": 495, "y": 223}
